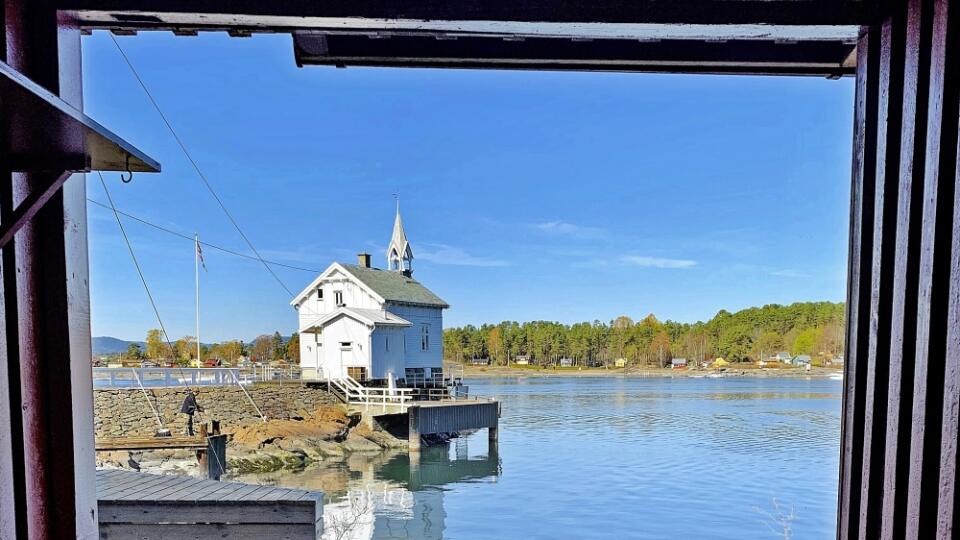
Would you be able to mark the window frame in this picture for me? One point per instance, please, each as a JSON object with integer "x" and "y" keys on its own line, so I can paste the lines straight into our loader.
{"x": 424, "y": 337}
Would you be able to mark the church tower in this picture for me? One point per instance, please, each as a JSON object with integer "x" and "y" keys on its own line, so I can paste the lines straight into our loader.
{"x": 399, "y": 254}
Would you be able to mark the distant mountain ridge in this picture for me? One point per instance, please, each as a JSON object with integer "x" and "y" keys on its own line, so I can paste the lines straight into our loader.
{"x": 111, "y": 345}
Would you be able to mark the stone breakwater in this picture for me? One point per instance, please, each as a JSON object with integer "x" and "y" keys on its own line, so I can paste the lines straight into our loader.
{"x": 304, "y": 425}
{"x": 121, "y": 412}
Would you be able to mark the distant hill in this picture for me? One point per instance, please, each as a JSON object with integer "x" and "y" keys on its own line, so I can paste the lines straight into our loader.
{"x": 111, "y": 345}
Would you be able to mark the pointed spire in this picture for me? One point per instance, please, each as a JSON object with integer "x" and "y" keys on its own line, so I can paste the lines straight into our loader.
{"x": 399, "y": 253}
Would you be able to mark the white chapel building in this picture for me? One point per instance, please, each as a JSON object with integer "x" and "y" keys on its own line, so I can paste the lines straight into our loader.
{"x": 378, "y": 326}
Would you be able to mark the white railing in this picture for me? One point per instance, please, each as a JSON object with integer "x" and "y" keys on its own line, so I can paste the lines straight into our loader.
{"x": 357, "y": 394}
{"x": 166, "y": 377}
{"x": 266, "y": 373}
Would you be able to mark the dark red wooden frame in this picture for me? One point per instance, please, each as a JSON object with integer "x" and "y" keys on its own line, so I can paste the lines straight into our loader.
{"x": 901, "y": 403}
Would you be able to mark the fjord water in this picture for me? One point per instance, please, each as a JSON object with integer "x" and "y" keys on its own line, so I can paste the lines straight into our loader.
{"x": 610, "y": 457}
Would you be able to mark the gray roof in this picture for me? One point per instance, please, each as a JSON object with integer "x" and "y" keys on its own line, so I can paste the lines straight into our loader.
{"x": 395, "y": 287}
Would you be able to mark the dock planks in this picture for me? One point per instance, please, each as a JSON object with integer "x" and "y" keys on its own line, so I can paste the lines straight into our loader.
{"x": 150, "y": 443}
{"x": 141, "y": 505}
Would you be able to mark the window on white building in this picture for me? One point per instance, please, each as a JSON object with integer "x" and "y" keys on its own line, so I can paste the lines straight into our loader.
{"x": 345, "y": 344}
{"x": 320, "y": 293}
{"x": 425, "y": 337}
{"x": 386, "y": 342}
{"x": 338, "y": 297}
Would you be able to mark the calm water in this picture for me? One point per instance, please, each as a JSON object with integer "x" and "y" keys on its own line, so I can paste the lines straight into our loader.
{"x": 608, "y": 458}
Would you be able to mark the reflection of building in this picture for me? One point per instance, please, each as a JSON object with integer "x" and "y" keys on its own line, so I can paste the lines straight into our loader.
{"x": 401, "y": 498}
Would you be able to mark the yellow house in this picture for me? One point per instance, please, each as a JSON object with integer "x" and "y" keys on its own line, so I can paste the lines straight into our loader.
{"x": 620, "y": 362}
{"x": 720, "y": 363}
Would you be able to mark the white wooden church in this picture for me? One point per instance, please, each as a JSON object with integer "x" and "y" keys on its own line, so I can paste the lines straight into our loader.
{"x": 379, "y": 327}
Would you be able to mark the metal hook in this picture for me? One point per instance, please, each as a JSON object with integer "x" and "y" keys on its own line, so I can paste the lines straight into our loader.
{"x": 129, "y": 177}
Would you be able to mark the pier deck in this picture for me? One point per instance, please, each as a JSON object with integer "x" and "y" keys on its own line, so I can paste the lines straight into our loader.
{"x": 141, "y": 505}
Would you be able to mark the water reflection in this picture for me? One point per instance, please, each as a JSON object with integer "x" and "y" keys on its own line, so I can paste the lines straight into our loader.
{"x": 659, "y": 458}
{"x": 392, "y": 494}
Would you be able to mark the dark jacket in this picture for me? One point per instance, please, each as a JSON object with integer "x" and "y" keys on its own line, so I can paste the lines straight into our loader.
{"x": 190, "y": 404}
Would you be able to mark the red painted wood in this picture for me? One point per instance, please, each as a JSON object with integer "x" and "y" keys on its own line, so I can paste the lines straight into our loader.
{"x": 30, "y": 206}
{"x": 43, "y": 339}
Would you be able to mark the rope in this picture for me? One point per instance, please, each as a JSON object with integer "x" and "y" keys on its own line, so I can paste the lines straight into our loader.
{"x": 143, "y": 279}
{"x": 156, "y": 311}
{"x": 249, "y": 397}
{"x": 147, "y": 397}
{"x": 202, "y": 243}
{"x": 136, "y": 264}
{"x": 196, "y": 167}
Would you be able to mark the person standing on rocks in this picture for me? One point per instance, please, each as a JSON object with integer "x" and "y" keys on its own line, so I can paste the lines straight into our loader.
{"x": 189, "y": 407}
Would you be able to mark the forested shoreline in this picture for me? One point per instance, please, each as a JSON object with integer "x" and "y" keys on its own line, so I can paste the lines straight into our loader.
{"x": 810, "y": 328}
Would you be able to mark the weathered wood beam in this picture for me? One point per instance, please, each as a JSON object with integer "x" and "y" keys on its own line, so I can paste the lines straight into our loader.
{"x": 859, "y": 280}
{"x": 134, "y": 14}
{"x": 889, "y": 114}
{"x": 827, "y": 58}
{"x": 903, "y": 330}
{"x": 940, "y": 170}
{"x": 31, "y": 205}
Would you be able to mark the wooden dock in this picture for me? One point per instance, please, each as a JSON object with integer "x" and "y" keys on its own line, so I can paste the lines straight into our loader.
{"x": 211, "y": 449}
{"x": 432, "y": 417}
{"x": 141, "y": 505}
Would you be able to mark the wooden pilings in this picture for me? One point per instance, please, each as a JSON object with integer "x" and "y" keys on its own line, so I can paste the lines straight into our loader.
{"x": 210, "y": 447}
{"x": 413, "y": 435}
{"x": 442, "y": 417}
{"x": 213, "y": 459}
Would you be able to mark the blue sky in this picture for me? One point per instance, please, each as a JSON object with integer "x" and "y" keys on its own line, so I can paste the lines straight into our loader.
{"x": 526, "y": 195}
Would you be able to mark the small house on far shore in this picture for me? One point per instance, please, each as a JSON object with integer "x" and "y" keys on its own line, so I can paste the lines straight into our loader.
{"x": 620, "y": 362}
{"x": 566, "y": 362}
{"x": 479, "y": 361}
{"x": 783, "y": 357}
{"x": 522, "y": 360}
{"x": 719, "y": 363}
{"x": 678, "y": 363}
{"x": 801, "y": 360}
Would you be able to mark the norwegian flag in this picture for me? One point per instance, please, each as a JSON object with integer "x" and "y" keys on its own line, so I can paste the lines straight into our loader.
{"x": 200, "y": 255}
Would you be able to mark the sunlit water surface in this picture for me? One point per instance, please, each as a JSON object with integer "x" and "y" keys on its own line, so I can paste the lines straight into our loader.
{"x": 608, "y": 458}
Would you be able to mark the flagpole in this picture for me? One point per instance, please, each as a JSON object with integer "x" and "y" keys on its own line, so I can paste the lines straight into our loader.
{"x": 196, "y": 276}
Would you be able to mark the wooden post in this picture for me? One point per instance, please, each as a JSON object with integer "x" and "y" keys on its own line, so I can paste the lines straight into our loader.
{"x": 493, "y": 432}
{"x": 216, "y": 456}
{"x": 202, "y": 455}
{"x": 414, "y": 428}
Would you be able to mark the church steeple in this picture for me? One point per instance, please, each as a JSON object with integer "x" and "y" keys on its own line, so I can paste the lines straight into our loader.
{"x": 399, "y": 253}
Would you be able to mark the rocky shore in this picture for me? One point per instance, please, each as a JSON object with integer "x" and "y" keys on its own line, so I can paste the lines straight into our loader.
{"x": 325, "y": 434}
{"x": 304, "y": 425}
